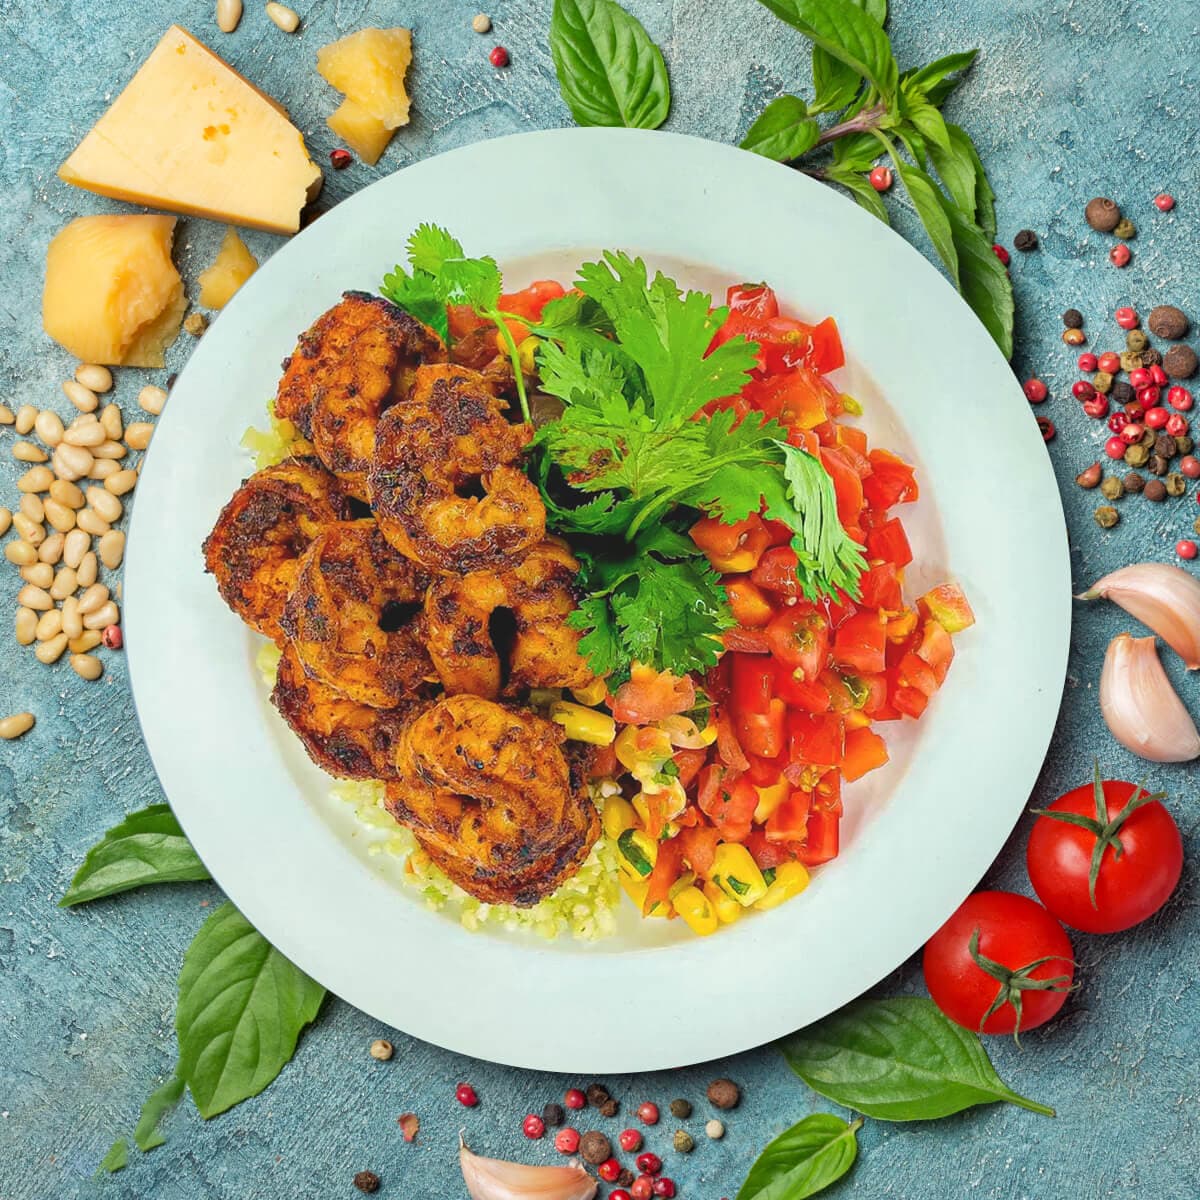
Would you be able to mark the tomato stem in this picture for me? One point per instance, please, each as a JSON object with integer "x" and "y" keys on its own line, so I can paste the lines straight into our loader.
{"x": 1015, "y": 981}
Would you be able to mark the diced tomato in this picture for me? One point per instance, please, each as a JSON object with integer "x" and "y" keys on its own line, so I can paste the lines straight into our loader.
{"x": 776, "y": 571}
{"x": 732, "y": 548}
{"x": 915, "y": 672}
{"x": 769, "y": 854}
{"x": 865, "y": 750}
{"x": 752, "y": 300}
{"x": 889, "y": 543}
{"x": 799, "y": 638}
{"x": 668, "y": 866}
{"x": 860, "y": 642}
{"x": 850, "y": 437}
{"x": 936, "y": 648}
{"x": 728, "y": 747}
{"x": 821, "y": 841}
{"x": 847, "y": 485}
{"x": 751, "y": 608}
{"x": 764, "y": 772}
{"x": 730, "y": 806}
{"x": 689, "y": 763}
{"x": 827, "y": 352}
{"x": 838, "y": 608}
{"x": 779, "y": 532}
{"x": 795, "y": 398}
{"x": 827, "y": 795}
{"x": 901, "y": 626}
{"x": 842, "y": 698}
{"x": 947, "y": 605}
{"x": 879, "y": 586}
{"x": 807, "y": 694}
{"x": 656, "y": 813}
{"x": 789, "y": 822}
{"x": 907, "y": 701}
{"x": 651, "y": 695}
{"x": 814, "y": 740}
{"x": 700, "y": 847}
{"x": 762, "y": 734}
{"x": 746, "y": 641}
{"x": 603, "y": 763}
{"x": 530, "y": 301}
{"x": 462, "y": 320}
{"x": 803, "y": 439}
{"x": 876, "y": 688}
{"x": 752, "y": 680}
{"x": 892, "y": 481}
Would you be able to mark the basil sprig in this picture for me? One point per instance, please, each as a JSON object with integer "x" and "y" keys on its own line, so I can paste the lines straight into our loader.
{"x": 803, "y": 1160}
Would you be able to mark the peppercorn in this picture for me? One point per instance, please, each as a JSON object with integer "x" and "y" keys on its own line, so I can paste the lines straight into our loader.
{"x": 1158, "y": 465}
{"x": 1180, "y": 362}
{"x": 681, "y": 1109}
{"x": 1151, "y": 357}
{"x": 1125, "y": 229}
{"x": 597, "y": 1093}
{"x": 1155, "y": 490}
{"x": 724, "y": 1093}
{"x": 683, "y": 1141}
{"x": 1149, "y": 437}
{"x": 1106, "y": 516}
{"x": 1164, "y": 444}
{"x": 1025, "y": 241}
{"x": 714, "y": 1128}
{"x": 1074, "y": 337}
{"x": 1176, "y": 484}
{"x": 1184, "y": 445}
{"x": 1086, "y": 479}
{"x": 1196, "y": 524}
{"x": 625, "y": 1178}
{"x": 1120, "y": 255}
{"x": 1133, "y": 483}
{"x": 609, "y": 1108}
{"x": 595, "y": 1148}
{"x": 366, "y": 1181}
{"x": 195, "y": 323}
{"x": 382, "y": 1049}
{"x": 1111, "y": 488}
{"x": 1130, "y": 360}
{"x": 1168, "y": 322}
{"x": 1102, "y": 214}
{"x": 1137, "y": 456}
{"x": 1073, "y": 318}
{"x": 554, "y": 1115}
{"x": 1136, "y": 340}
{"x": 1102, "y": 381}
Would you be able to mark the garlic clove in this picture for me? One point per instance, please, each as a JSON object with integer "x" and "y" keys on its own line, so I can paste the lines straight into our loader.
{"x": 494, "y": 1179}
{"x": 1140, "y": 705}
{"x": 1161, "y": 596}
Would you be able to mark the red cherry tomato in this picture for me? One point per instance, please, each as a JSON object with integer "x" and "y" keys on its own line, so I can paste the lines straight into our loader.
{"x": 1114, "y": 874}
{"x": 1000, "y": 964}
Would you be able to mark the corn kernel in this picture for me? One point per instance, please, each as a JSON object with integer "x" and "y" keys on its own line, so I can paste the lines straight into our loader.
{"x": 525, "y": 352}
{"x": 592, "y": 694}
{"x": 727, "y": 910}
{"x": 636, "y": 890}
{"x": 638, "y": 852}
{"x": 694, "y": 907}
{"x": 583, "y": 724}
{"x": 642, "y": 745}
{"x": 790, "y": 880}
{"x": 736, "y": 873}
{"x": 618, "y": 817}
{"x": 770, "y": 798}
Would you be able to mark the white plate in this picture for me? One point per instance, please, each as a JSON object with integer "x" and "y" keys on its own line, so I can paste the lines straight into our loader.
{"x": 918, "y": 834}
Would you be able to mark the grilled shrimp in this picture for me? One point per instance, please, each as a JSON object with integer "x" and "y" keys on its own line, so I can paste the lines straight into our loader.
{"x": 493, "y": 798}
{"x": 539, "y": 593}
{"x": 448, "y": 438}
{"x": 344, "y": 738}
{"x": 356, "y": 360}
{"x": 255, "y": 547}
{"x": 352, "y": 616}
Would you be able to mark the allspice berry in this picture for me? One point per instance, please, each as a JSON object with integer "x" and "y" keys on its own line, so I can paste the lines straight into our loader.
{"x": 1133, "y": 483}
{"x": 1168, "y": 322}
{"x": 1180, "y": 362}
{"x": 1155, "y": 490}
{"x": 724, "y": 1093}
{"x": 1102, "y": 214}
{"x": 595, "y": 1148}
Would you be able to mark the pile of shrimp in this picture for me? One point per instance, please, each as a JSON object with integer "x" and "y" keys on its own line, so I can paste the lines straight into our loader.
{"x": 404, "y": 570}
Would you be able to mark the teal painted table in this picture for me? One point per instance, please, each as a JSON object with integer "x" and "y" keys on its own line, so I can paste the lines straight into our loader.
{"x": 1067, "y": 100}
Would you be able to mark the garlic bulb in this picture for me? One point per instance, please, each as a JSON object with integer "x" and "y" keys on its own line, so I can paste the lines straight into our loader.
{"x": 493, "y": 1179}
{"x": 1165, "y": 598}
{"x": 1140, "y": 706}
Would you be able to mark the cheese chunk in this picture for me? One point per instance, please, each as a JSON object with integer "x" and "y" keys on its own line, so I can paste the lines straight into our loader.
{"x": 368, "y": 67}
{"x": 366, "y": 135}
{"x": 231, "y": 268}
{"x": 191, "y": 135}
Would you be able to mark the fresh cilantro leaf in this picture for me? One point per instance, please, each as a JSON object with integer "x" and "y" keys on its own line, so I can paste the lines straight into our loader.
{"x": 586, "y": 379}
{"x": 566, "y": 315}
{"x": 601, "y": 642}
{"x": 429, "y": 246}
{"x": 419, "y": 296}
{"x": 473, "y": 281}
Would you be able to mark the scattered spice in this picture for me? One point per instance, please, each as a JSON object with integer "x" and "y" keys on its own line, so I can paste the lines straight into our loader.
{"x": 410, "y": 1125}
{"x": 1120, "y": 256}
{"x": 1086, "y": 479}
{"x": 1112, "y": 488}
{"x": 649, "y": 1163}
{"x": 1133, "y": 483}
{"x": 1124, "y": 228}
{"x": 533, "y": 1127}
{"x": 498, "y": 57}
{"x": 1087, "y": 361}
{"x": 1106, "y": 516}
{"x": 1186, "y": 548}
{"x": 1073, "y": 318}
{"x": 1121, "y": 392}
{"x": 1131, "y": 360}
{"x": 466, "y": 1096}
{"x": 1035, "y": 390}
{"x": 554, "y": 1115}
{"x": 1164, "y": 202}
{"x": 630, "y": 1140}
{"x": 1158, "y": 465}
{"x": 1127, "y": 317}
{"x": 881, "y": 178}
{"x": 1137, "y": 456}
{"x": 1184, "y": 445}
{"x": 1151, "y": 357}
{"x": 1176, "y": 484}
{"x": 1155, "y": 490}
{"x": 625, "y": 1178}
{"x": 1102, "y": 214}
{"x": 609, "y": 1170}
{"x": 574, "y": 1098}
{"x": 1025, "y": 241}
{"x": 1168, "y": 322}
{"x": 595, "y": 1148}
{"x": 481, "y": 23}
{"x": 683, "y": 1141}
{"x": 195, "y": 323}
{"x": 1164, "y": 444}
{"x": 1195, "y": 525}
{"x": 597, "y": 1093}
{"x": 648, "y": 1113}
{"x": 609, "y": 1108}
{"x": 340, "y": 159}
{"x": 566, "y": 1141}
{"x": 716, "y": 1129}
{"x": 366, "y": 1181}
{"x": 1047, "y": 428}
{"x": 1074, "y": 337}
{"x": 1136, "y": 341}
{"x": 682, "y": 1109}
{"x": 1102, "y": 381}
{"x": 382, "y": 1049}
{"x": 724, "y": 1093}
{"x": 1190, "y": 466}
{"x": 1180, "y": 362}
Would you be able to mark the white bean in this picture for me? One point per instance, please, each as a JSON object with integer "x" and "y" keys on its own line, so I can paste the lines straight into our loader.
{"x": 36, "y": 479}
{"x": 51, "y": 651}
{"x": 82, "y": 397}
{"x": 120, "y": 482}
{"x": 92, "y": 522}
{"x": 49, "y": 427}
{"x": 108, "y": 615}
{"x": 73, "y": 462}
{"x": 76, "y": 545}
{"x": 40, "y": 574}
{"x": 94, "y": 376}
{"x": 33, "y": 508}
{"x": 35, "y": 597}
{"x": 112, "y": 549}
{"x": 285, "y": 18}
{"x": 51, "y": 550}
{"x": 26, "y": 418}
{"x": 93, "y": 598}
{"x": 6, "y": 415}
{"x": 32, "y": 532}
{"x": 89, "y": 639}
{"x": 112, "y": 422}
{"x": 87, "y": 569}
{"x": 91, "y": 434}
{"x": 49, "y": 625}
{"x": 60, "y": 516}
{"x": 28, "y": 452}
{"x": 86, "y": 666}
{"x": 16, "y": 725}
{"x": 138, "y": 435}
{"x": 5, "y": 520}
{"x": 105, "y": 503}
{"x": 229, "y": 13}
{"x": 20, "y": 553}
{"x": 72, "y": 621}
{"x": 111, "y": 449}
{"x": 102, "y": 468}
{"x": 66, "y": 493}
{"x": 151, "y": 399}
{"x": 25, "y": 626}
{"x": 65, "y": 584}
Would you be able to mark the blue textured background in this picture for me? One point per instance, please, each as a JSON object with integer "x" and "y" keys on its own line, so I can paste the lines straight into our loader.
{"x": 1068, "y": 99}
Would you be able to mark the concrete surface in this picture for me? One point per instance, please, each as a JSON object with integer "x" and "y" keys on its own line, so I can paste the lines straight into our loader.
{"x": 1068, "y": 99}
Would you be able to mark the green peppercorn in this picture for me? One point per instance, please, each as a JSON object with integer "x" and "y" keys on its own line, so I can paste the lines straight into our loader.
{"x": 1136, "y": 341}
{"x": 681, "y": 1109}
{"x": 1196, "y": 524}
{"x": 1102, "y": 381}
{"x": 1137, "y": 456}
{"x": 1130, "y": 360}
{"x": 1106, "y": 516}
{"x": 1111, "y": 488}
{"x": 683, "y": 1141}
{"x": 1176, "y": 484}
{"x": 1133, "y": 483}
{"x": 1184, "y": 445}
{"x": 1149, "y": 438}
{"x": 1125, "y": 228}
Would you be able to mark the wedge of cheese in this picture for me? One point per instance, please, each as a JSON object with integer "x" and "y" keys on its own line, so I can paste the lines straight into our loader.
{"x": 191, "y": 135}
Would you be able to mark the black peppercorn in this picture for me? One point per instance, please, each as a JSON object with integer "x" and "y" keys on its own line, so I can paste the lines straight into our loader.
{"x": 1102, "y": 214}
{"x": 1073, "y": 318}
{"x": 1180, "y": 362}
{"x": 1164, "y": 444}
{"x": 554, "y": 1114}
{"x": 681, "y": 1109}
{"x": 1025, "y": 240}
{"x": 1155, "y": 490}
{"x": 1151, "y": 357}
{"x": 1122, "y": 393}
{"x": 1133, "y": 483}
{"x": 366, "y": 1181}
{"x": 626, "y": 1178}
{"x": 597, "y": 1094}
{"x": 609, "y": 1108}
{"x": 1158, "y": 465}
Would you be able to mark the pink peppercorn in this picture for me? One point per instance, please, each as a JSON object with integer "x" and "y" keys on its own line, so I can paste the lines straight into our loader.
{"x": 648, "y": 1113}
{"x": 1120, "y": 255}
{"x": 881, "y": 178}
{"x": 1096, "y": 408}
{"x": 630, "y": 1140}
{"x": 1156, "y": 417}
{"x": 1164, "y": 202}
{"x": 1115, "y": 447}
{"x": 1127, "y": 317}
{"x": 1110, "y": 362}
{"x": 339, "y": 159}
{"x": 664, "y": 1187}
{"x": 1176, "y": 425}
{"x": 566, "y": 1141}
{"x": 533, "y": 1127}
{"x": 1088, "y": 362}
{"x": 1149, "y": 396}
{"x": 609, "y": 1170}
{"x": 619, "y": 1194}
{"x": 649, "y": 1164}
{"x": 1046, "y": 429}
{"x": 1139, "y": 377}
{"x": 465, "y": 1095}
{"x": 1035, "y": 390}
{"x": 1189, "y": 465}
{"x": 1117, "y": 422}
{"x": 574, "y": 1098}
{"x": 1180, "y": 398}
{"x": 1132, "y": 433}
{"x": 498, "y": 57}
{"x": 1158, "y": 375}
{"x": 1185, "y": 548}
{"x": 1082, "y": 390}
{"x": 1134, "y": 411}
{"x": 1002, "y": 254}
{"x": 642, "y": 1188}
{"x": 112, "y": 637}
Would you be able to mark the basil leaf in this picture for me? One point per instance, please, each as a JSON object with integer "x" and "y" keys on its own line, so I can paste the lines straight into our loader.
{"x": 956, "y": 169}
{"x": 784, "y": 130}
{"x": 929, "y": 202}
{"x": 898, "y": 1060}
{"x": 609, "y": 71}
{"x": 982, "y": 279}
{"x": 936, "y": 80}
{"x": 985, "y": 198}
{"x": 848, "y": 34}
{"x": 803, "y": 1160}
{"x": 862, "y": 191}
{"x": 834, "y": 83}
{"x": 928, "y": 122}
{"x": 241, "y": 1008}
{"x": 148, "y": 846}
{"x": 158, "y": 1104}
{"x": 117, "y": 1158}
